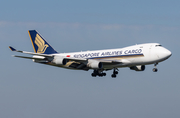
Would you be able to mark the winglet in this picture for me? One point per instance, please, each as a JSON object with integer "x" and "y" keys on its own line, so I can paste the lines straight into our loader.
{"x": 12, "y": 49}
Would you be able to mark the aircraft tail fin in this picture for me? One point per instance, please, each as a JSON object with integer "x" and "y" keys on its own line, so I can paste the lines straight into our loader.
{"x": 39, "y": 44}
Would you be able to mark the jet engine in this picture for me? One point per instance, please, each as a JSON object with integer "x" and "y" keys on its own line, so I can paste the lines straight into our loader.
{"x": 94, "y": 64}
{"x": 138, "y": 68}
{"x": 59, "y": 61}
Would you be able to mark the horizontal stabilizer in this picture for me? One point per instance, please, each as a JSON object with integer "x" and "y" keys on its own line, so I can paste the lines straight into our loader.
{"x": 29, "y": 57}
{"x": 31, "y": 53}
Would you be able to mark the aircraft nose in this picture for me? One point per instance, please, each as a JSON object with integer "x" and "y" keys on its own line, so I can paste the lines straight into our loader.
{"x": 164, "y": 53}
{"x": 168, "y": 53}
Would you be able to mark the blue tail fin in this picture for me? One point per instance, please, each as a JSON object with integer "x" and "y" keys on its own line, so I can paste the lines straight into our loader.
{"x": 40, "y": 45}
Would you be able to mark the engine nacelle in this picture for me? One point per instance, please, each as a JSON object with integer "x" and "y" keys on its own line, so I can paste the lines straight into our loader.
{"x": 138, "y": 68}
{"x": 94, "y": 64}
{"x": 59, "y": 61}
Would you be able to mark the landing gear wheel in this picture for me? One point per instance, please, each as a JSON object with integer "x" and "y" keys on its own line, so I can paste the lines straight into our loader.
{"x": 100, "y": 75}
{"x": 113, "y": 75}
{"x": 116, "y": 72}
{"x": 104, "y": 74}
{"x": 93, "y": 75}
{"x": 155, "y": 69}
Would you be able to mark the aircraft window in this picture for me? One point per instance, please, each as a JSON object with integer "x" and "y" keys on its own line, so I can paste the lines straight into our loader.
{"x": 158, "y": 45}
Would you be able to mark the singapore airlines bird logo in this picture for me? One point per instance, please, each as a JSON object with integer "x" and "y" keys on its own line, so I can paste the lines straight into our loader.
{"x": 41, "y": 44}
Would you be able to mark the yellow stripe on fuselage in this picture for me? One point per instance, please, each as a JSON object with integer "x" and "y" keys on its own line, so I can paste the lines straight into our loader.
{"x": 120, "y": 57}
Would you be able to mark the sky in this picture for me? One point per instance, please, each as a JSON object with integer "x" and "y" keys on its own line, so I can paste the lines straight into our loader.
{"x": 30, "y": 90}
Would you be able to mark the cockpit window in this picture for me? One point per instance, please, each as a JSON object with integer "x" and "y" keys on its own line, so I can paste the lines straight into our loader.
{"x": 158, "y": 45}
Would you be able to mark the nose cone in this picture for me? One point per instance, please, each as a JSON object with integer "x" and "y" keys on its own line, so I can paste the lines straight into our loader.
{"x": 164, "y": 53}
{"x": 168, "y": 53}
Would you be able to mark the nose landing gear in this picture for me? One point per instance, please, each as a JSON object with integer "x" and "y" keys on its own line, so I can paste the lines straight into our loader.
{"x": 155, "y": 68}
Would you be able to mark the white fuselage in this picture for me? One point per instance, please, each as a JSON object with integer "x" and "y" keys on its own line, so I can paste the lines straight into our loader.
{"x": 141, "y": 54}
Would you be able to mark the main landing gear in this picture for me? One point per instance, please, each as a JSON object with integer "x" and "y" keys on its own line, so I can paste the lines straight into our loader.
{"x": 98, "y": 73}
{"x": 155, "y": 68}
{"x": 115, "y": 72}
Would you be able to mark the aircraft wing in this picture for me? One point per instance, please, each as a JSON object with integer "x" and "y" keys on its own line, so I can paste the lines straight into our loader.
{"x": 81, "y": 63}
{"x": 31, "y": 53}
{"x": 85, "y": 60}
{"x": 67, "y": 58}
{"x": 77, "y": 63}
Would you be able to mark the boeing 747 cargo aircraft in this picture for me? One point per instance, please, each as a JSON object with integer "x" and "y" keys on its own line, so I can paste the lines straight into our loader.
{"x": 135, "y": 57}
